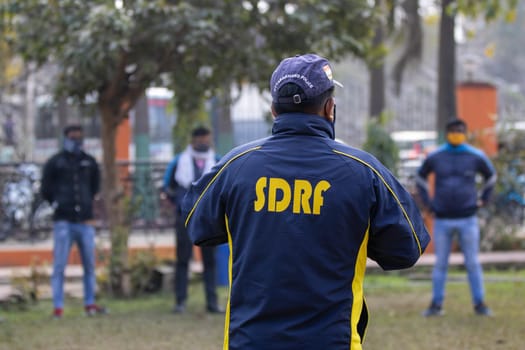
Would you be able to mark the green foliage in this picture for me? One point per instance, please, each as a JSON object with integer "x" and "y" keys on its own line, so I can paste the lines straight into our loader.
{"x": 118, "y": 261}
{"x": 197, "y": 116}
{"x": 502, "y": 219}
{"x": 380, "y": 144}
{"x": 26, "y": 287}
{"x": 141, "y": 267}
{"x": 202, "y": 42}
{"x": 510, "y": 159}
{"x": 489, "y": 9}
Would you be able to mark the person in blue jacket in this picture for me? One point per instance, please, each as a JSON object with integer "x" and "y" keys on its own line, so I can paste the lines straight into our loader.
{"x": 186, "y": 167}
{"x": 301, "y": 213}
{"x": 454, "y": 205}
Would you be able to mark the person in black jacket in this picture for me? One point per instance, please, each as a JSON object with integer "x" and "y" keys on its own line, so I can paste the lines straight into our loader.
{"x": 70, "y": 181}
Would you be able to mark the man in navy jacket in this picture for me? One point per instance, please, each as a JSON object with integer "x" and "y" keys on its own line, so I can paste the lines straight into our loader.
{"x": 301, "y": 213}
{"x": 186, "y": 167}
{"x": 454, "y": 207}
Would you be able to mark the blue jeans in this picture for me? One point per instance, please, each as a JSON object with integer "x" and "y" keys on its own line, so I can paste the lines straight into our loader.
{"x": 468, "y": 231}
{"x": 65, "y": 234}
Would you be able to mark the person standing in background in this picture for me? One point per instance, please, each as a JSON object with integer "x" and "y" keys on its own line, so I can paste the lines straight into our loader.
{"x": 70, "y": 181}
{"x": 197, "y": 159}
{"x": 454, "y": 205}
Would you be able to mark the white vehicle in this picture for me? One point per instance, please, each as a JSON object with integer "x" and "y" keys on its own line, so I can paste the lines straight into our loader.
{"x": 414, "y": 145}
{"x": 413, "y": 148}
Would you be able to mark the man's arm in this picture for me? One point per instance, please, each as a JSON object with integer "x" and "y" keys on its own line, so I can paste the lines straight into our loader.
{"x": 398, "y": 235}
{"x": 422, "y": 184}
{"x": 489, "y": 175}
{"x": 95, "y": 178}
{"x": 47, "y": 181}
{"x": 169, "y": 185}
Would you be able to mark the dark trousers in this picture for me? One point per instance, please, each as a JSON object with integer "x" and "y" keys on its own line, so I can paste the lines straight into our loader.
{"x": 184, "y": 251}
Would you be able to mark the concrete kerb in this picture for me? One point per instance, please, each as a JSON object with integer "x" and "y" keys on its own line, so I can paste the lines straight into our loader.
{"x": 165, "y": 240}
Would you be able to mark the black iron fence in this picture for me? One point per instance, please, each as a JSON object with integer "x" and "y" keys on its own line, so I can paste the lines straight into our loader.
{"x": 24, "y": 215}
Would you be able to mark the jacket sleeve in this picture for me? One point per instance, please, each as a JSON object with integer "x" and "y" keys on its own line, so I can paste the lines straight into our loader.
{"x": 397, "y": 235}
{"x": 95, "y": 178}
{"x": 422, "y": 183}
{"x": 169, "y": 185}
{"x": 489, "y": 175}
{"x": 203, "y": 209}
{"x": 47, "y": 182}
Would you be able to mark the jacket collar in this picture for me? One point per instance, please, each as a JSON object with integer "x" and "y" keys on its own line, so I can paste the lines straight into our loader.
{"x": 302, "y": 124}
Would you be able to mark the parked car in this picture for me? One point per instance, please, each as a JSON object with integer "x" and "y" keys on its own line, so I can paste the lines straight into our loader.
{"x": 414, "y": 145}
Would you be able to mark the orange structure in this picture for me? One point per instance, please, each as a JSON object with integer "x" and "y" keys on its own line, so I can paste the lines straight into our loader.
{"x": 122, "y": 142}
{"x": 477, "y": 106}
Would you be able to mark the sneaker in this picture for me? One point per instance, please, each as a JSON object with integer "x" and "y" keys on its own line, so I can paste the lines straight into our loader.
{"x": 433, "y": 310}
{"x": 179, "y": 309}
{"x": 94, "y": 309}
{"x": 57, "y": 313}
{"x": 215, "y": 310}
{"x": 482, "y": 310}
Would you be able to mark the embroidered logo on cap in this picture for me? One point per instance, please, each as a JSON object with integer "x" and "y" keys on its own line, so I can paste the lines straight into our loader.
{"x": 328, "y": 71}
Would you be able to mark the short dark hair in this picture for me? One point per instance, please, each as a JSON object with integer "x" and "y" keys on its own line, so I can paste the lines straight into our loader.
{"x": 200, "y": 131}
{"x": 73, "y": 127}
{"x": 312, "y": 105}
{"x": 454, "y": 123}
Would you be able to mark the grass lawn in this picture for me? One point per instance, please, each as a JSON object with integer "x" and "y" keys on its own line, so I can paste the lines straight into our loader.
{"x": 395, "y": 302}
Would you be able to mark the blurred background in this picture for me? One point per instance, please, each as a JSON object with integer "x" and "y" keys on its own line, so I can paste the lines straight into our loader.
{"x": 139, "y": 75}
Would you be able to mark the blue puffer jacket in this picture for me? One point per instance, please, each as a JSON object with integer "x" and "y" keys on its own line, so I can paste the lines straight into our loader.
{"x": 455, "y": 168}
{"x": 301, "y": 213}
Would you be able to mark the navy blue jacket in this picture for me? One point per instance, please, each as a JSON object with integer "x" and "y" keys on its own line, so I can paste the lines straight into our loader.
{"x": 301, "y": 213}
{"x": 455, "y": 169}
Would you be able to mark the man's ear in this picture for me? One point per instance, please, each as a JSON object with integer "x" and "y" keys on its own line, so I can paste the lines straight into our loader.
{"x": 328, "y": 111}
{"x": 274, "y": 113}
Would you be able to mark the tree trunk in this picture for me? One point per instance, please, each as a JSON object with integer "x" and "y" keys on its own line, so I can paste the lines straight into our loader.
{"x": 413, "y": 42}
{"x": 446, "y": 104}
{"x": 223, "y": 121}
{"x": 377, "y": 91}
{"x": 62, "y": 111}
{"x": 113, "y": 195}
{"x": 377, "y": 77}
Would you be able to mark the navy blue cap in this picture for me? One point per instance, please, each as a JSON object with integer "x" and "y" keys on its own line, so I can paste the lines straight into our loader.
{"x": 312, "y": 73}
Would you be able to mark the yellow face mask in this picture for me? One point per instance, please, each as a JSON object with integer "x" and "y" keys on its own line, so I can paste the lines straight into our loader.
{"x": 456, "y": 138}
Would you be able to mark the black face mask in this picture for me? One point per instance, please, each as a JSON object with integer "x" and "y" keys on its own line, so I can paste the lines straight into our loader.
{"x": 201, "y": 147}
